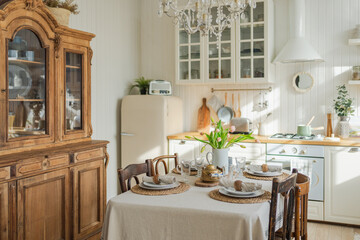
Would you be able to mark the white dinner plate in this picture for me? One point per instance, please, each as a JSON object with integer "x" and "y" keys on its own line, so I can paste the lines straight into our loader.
{"x": 256, "y": 194}
{"x": 159, "y": 186}
{"x": 239, "y": 193}
{"x": 264, "y": 174}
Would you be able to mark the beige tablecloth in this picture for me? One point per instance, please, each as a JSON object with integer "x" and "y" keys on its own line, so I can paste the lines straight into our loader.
{"x": 189, "y": 215}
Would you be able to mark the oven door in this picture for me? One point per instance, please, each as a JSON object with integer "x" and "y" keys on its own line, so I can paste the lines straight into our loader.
{"x": 307, "y": 166}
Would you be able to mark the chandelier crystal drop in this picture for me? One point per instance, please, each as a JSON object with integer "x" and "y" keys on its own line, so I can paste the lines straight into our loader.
{"x": 209, "y": 17}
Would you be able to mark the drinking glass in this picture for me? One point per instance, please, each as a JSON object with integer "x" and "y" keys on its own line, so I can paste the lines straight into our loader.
{"x": 240, "y": 165}
{"x": 198, "y": 165}
{"x": 185, "y": 168}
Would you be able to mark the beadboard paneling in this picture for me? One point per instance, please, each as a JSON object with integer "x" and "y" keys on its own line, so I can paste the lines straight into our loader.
{"x": 328, "y": 27}
{"x": 115, "y": 64}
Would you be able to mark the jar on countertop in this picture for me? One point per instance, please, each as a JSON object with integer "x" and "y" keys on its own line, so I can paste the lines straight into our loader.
{"x": 356, "y": 73}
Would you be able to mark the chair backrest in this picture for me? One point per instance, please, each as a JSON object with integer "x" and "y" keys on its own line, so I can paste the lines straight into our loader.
{"x": 301, "y": 204}
{"x": 132, "y": 171}
{"x": 156, "y": 161}
{"x": 287, "y": 189}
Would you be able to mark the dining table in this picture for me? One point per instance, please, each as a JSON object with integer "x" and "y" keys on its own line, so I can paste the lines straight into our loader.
{"x": 188, "y": 215}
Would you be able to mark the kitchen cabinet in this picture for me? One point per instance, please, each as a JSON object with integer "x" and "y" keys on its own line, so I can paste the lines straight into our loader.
{"x": 342, "y": 180}
{"x": 49, "y": 165}
{"x": 186, "y": 150}
{"x": 255, "y": 44}
{"x": 4, "y": 211}
{"x": 43, "y": 207}
{"x": 242, "y": 55}
{"x": 88, "y": 184}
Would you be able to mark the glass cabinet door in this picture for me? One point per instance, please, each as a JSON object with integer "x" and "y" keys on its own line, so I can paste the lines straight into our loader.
{"x": 252, "y": 42}
{"x": 189, "y": 56}
{"x": 74, "y": 88}
{"x": 27, "y": 78}
{"x": 220, "y": 53}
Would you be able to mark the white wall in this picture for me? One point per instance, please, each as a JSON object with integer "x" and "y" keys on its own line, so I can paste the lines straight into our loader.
{"x": 328, "y": 24}
{"x": 115, "y": 64}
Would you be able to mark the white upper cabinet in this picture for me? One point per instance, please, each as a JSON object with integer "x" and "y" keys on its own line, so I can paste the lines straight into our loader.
{"x": 255, "y": 44}
{"x": 242, "y": 55}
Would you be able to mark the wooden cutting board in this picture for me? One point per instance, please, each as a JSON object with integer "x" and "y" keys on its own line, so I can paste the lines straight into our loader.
{"x": 203, "y": 123}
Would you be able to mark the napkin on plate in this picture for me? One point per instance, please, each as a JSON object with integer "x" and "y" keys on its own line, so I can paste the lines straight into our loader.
{"x": 272, "y": 168}
{"x": 163, "y": 179}
{"x": 245, "y": 186}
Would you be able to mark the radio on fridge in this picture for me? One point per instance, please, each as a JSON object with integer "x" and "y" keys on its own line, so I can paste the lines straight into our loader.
{"x": 160, "y": 87}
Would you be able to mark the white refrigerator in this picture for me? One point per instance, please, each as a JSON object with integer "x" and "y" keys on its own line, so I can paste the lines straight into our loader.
{"x": 146, "y": 121}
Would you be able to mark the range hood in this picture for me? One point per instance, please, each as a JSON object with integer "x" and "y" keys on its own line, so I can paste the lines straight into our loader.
{"x": 297, "y": 49}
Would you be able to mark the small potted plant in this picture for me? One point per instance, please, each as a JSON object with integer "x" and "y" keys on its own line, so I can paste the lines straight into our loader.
{"x": 343, "y": 108}
{"x": 62, "y": 10}
{"x": 221, "y": 140}
{"x": 142, "y": 84}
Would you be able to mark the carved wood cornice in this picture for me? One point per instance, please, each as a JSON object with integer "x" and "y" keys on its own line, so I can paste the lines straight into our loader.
{"x": 57, "y": 44}
{"x": 90, "y": 55}
{"x": 33, "y": 4}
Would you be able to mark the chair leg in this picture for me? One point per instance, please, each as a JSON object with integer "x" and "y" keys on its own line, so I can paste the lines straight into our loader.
{"x": 297, "y": 218}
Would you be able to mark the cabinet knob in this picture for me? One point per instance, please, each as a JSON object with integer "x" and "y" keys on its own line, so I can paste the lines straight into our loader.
{"x": 353, "y": 150}
{"x": 3, "y": 90}
{"x": 182, "y": 142}
{"x": 282, "y": 151}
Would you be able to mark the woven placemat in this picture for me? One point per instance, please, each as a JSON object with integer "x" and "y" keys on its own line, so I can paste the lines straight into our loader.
{"x": 281, "y": 177}
{"x": 183, "y": 187}
{"x": 215, "y": 194}
{"x": 192, "y": 173}
{"x": 200, "y": 183}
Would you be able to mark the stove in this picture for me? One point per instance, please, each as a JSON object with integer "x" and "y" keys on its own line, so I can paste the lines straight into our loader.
{"x": 292, "y": 136}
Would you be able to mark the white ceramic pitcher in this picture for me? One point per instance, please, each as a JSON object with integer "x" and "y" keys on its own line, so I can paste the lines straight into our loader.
{"x": 219, "y": 158}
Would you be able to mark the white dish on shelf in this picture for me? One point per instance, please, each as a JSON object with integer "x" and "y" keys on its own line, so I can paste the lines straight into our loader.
{"x": 258, "y": 193}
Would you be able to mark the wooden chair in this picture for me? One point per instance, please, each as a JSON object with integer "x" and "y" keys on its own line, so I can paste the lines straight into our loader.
{"x": 132, "y": 171}
{"x": 156, "y": 161}
{"x": 301, "y": 208}
{"x": 287, "y": 189}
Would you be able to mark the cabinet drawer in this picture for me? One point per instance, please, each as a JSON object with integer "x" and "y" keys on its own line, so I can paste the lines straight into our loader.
{"x": 88, "y": 155}
{"x": 58, "y": 161}
{"x": 29, "y": 166}
{"x": 315, "y": 211}
{"x": 5, "y": 173}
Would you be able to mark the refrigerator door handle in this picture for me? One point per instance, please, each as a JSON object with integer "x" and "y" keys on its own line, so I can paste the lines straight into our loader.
{"x": 127, "y": 134}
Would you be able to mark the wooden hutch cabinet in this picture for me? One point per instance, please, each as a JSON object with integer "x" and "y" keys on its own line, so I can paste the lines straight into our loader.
{"x": 52, "y": 174}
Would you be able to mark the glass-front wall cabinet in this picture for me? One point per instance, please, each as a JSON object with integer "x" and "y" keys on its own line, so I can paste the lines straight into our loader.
{"x": 220, "y": 53}
{"x": 74, "y": 92}
{"x": 27, "y": 110}
{"x": 189, "y": 55}
{"x": 252, "y": 43}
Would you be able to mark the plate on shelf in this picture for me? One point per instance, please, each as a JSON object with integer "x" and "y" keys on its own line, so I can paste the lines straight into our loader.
{"x": 264, "y": 174}
{"x": 20, "y": 81}
{"x": 258, "y": 193}
{"x": 153, "y": 186}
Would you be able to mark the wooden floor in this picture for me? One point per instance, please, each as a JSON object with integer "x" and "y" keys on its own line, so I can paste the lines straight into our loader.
{"x": 320, "y": 231}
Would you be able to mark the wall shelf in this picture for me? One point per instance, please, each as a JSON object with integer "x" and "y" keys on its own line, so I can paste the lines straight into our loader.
{"x": 354, "y": 42}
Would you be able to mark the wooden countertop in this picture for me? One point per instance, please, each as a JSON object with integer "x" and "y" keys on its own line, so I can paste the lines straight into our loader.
{"x": 349, "y": 142}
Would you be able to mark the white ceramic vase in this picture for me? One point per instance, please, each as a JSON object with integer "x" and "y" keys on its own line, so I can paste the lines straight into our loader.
{"x": 343, "y": 127}
{"x": 220, "y": 158}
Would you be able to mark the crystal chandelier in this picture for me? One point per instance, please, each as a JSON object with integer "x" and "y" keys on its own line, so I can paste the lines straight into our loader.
{"x": 196, "y": 15}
